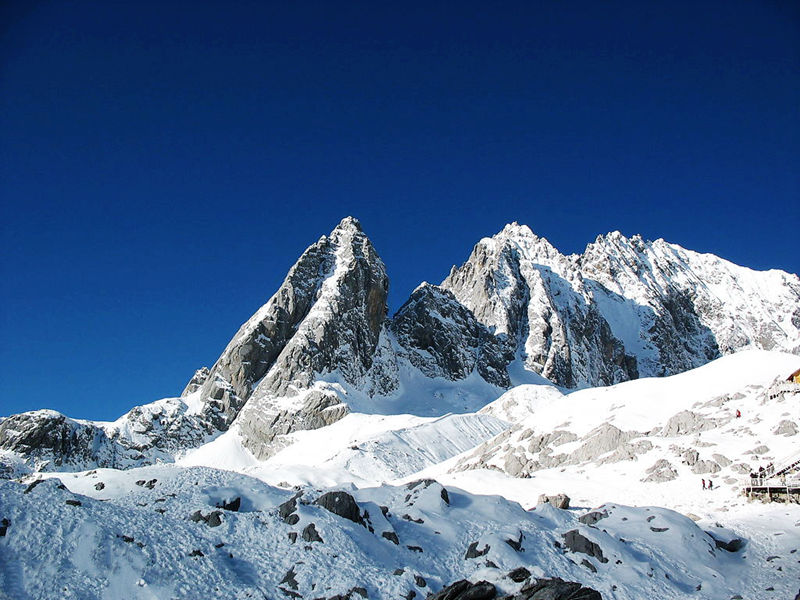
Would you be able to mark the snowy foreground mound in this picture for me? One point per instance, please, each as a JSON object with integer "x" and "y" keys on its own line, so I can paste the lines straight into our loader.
{"x": 174, "y": 532}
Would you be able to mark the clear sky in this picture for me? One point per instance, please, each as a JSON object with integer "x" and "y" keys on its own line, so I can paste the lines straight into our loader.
{"x": 163, "y": 164}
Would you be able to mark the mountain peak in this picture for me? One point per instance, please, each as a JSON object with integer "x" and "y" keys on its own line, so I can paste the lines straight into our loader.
{"x": 349, "y": 224}
{"x": 514, "y": 230}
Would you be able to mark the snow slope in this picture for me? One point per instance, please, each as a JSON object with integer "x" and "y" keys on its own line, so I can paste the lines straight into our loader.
{"x": 147, "y": 540}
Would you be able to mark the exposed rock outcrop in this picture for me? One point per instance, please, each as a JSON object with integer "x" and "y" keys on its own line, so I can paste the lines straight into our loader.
{"x": 442, "y": 338}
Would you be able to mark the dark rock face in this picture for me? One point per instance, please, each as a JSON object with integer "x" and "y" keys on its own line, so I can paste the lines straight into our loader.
{"x": 536, "y": 589}
{"x": 233, "y": 505}
{"x": 519, "y": 574}
{"x": 576, "y": 542}
{"x": 556, "y": 589}
{"x": 342, "y": 504}
{"x": 465, "y": 590}
{"x": 442, "y": 338}
{"x": 682, "y": 340}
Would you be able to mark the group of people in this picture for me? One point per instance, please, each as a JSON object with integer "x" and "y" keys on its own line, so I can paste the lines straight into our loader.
{"x": 763, "y": 472}
{"x": 710, "y": 484}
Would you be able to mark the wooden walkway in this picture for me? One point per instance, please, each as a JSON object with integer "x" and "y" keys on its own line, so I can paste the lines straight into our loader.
{"x": 779, "y": 482}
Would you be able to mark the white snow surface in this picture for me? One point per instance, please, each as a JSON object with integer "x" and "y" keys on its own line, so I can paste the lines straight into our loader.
{"x": 132, "y": 536}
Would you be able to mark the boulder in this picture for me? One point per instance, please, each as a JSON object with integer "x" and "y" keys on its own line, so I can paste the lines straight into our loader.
{"x": 559, "y": 500}
{"x": 579, "y": 543}
{"x": 341, "y": 504}
{"x": 466, "y": 590}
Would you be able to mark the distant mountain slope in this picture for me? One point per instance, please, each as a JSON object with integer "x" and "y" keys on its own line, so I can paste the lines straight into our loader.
{"x": 625, "y": 308}
{"x": 656, "y": 436}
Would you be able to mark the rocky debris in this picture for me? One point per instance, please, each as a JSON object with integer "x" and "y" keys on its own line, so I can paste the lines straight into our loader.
{"x": 690, "y": 457}
{"x": 576, "y": 542}
{"x": 310, "y": 533}
{"x": 415, "y": 548}
{"x": 559, "y": 500}
{"x": 442, "y": 338}
{"x": 197, "y": 553}
{"x": 212, "y": 519}
{"x": 786, "y": 428}
{"x": 4, "y": 524}
{"x": 99, "y": 486}
{"x": 341, "y": 504}
{"x": 721, "y": 460}
{"x": 588, "y": 565}
{"x": 593, "y": 517}
{"x": 148, "y": 484}
{"x": 46, "y": 435}
{"x": 72, "y": 502}
{"x": 687, "y": 422}
{"x": 420, "y": 581}
{"x": 758, "y": 450}
{"x": 705, "y": 466}
{"x": 473, "y": 552}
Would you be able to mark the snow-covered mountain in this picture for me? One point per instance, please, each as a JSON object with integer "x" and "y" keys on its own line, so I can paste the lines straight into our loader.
{"x": 623, "y": 309}
{"x": 517, "y": 311}
{"x": 334, "y": 452}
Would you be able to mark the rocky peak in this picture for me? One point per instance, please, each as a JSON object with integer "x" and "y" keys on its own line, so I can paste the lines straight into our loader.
{"x": 339, "y": 279}
{"x": 442, "y": 338}
{"x": 331, "y": 310}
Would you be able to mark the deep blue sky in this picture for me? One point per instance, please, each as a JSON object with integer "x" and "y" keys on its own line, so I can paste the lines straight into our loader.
{"x": 163, "y": 164}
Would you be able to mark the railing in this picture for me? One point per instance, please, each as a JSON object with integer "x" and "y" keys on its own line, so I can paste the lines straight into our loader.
{"x": 774, "y": 478}
{"x": 783, "y": 387}
{"x": 787, "y": 464}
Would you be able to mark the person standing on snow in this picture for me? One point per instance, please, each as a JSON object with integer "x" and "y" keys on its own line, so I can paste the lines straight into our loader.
{"x": 704, "y": 483}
